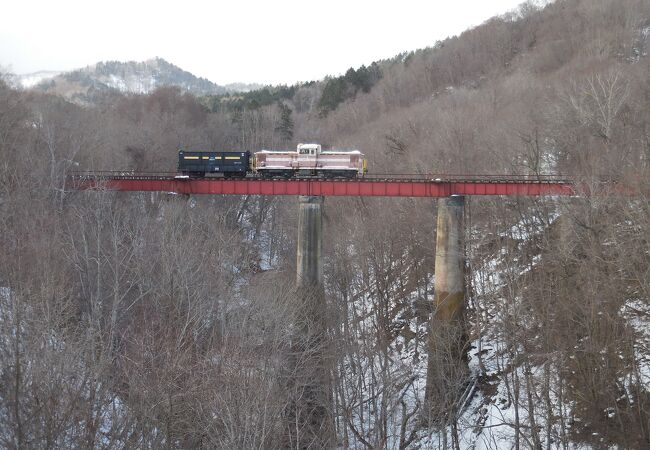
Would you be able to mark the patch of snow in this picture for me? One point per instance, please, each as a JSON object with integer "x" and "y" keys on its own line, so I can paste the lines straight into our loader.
{"x": 645, "y": 32}
{"x": 117, "y": 83}
{"x": 30, "y": 80}
{"x": 637, "y": 313}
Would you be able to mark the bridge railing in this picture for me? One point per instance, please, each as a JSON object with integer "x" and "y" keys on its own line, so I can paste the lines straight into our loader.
{"x": 415, "y": 177}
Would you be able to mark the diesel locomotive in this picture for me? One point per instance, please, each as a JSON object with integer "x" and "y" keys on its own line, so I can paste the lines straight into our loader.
{"x": 307, "y": 160}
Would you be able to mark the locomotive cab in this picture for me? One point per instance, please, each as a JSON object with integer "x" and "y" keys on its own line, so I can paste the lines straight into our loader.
{"x": 309, "y": 149}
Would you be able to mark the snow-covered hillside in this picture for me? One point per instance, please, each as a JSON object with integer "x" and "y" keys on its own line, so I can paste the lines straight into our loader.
{"x": 521, "y": 391}
{"x": 126, "y": 77}
{"x": 30, "y": 80}
{"x": 143, "y": 77}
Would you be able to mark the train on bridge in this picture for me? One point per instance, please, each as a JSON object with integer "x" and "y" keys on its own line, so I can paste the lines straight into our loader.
{"x": 308, "y": 171}
{"x": 307, "y": 160}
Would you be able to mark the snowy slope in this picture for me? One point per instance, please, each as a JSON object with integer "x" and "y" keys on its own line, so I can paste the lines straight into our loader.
{"x": 126, "y": 77}
{"x": 30, "y": 80}
{"x": 509, "y": 388}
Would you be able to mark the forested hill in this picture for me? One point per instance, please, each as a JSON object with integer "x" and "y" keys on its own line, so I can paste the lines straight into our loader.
{"x": 87, "y": 84}
{"x": 524, "y": 84}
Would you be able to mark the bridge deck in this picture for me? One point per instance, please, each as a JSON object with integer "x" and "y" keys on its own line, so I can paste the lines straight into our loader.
{"x": 369, "y": 186}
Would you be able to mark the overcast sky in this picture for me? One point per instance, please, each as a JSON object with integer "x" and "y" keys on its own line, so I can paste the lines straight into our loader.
{"x": 270, "y": 42}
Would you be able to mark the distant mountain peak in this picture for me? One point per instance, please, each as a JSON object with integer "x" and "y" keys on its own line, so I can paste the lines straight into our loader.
{"x": 142, "y": 77}
{"x": 135, "y": 77}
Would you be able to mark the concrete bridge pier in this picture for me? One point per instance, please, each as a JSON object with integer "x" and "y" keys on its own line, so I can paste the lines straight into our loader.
{"x": 447, "y": 369}
{"x": 309, "y": 414}
{"x": 309, "y": 268}
{"x": 449, "y": 286}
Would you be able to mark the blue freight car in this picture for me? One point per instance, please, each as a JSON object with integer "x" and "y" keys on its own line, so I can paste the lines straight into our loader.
{"x": 198, "y": 164}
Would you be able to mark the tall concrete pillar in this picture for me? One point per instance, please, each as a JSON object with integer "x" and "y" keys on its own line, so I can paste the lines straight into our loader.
{"x": 309, "y": 414}
{"x": 309, "y": 269}
{"x": 447, "y": 370}
{"x": 450, "y": 259}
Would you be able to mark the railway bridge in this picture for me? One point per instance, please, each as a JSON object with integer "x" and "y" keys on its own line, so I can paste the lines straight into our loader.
{"x": 450, "y": 190}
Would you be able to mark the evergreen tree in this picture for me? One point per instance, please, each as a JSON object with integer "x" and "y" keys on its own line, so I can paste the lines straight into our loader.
{"x": 339, "y": 89}
{"x": 285, "y": 127}
{"x": 333, "y": 94}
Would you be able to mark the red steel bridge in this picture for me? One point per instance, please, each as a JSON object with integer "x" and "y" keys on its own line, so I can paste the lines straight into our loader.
{"x": 369, "y": 186}
{"x": 376, "y": 185}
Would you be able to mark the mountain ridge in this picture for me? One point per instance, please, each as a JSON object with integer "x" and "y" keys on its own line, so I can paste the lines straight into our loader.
{"x": 130, "y": 77}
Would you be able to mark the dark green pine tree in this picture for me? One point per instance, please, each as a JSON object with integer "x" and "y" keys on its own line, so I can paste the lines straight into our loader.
{"x": 285, "y": 127}
{"x": 333, "y": 94}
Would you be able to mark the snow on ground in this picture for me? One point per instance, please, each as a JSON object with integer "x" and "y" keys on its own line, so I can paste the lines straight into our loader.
{"x": 487, "y": 421}
{"x": 134, "y": 83}
{"x": 637, "y": 313}
{"x": 380, "y": 386}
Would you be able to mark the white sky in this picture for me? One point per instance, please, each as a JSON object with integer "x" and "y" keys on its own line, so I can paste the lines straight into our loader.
{"x": 270, "y": 42}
